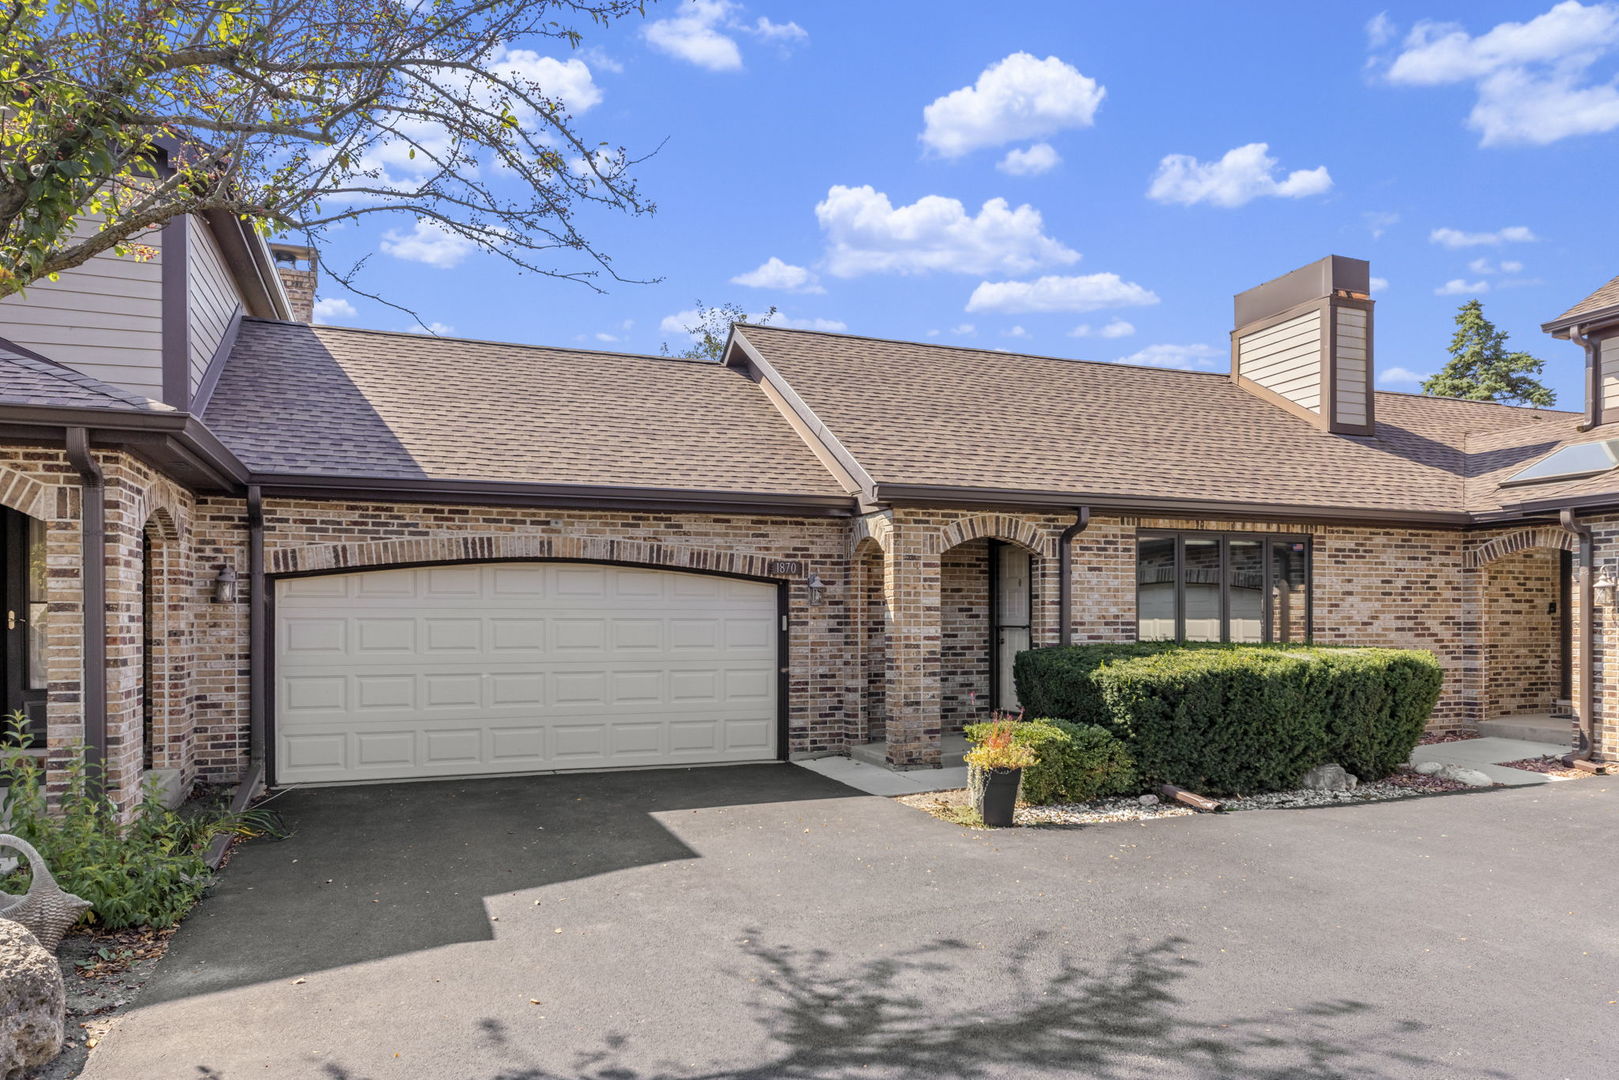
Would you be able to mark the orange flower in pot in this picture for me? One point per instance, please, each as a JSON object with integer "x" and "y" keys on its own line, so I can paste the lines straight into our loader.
{"x": 999, "y": 760}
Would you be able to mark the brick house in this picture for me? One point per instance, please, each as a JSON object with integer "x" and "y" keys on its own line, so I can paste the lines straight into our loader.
{"x": 334, "y": 555}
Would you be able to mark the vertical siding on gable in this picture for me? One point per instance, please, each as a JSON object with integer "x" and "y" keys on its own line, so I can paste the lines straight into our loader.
{"x": 1610, "y": 377}
{"x": 104, "y": 318}
{"x": 1285, "y": 359}
{"x": 212, "y": 298}
{"x": 1352, "y": 358}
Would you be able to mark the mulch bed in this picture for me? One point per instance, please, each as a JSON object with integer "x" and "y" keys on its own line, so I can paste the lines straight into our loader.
{"x": 105, "y": 971}
{"x": 1429, "y": 738}
{"x": 1551, "y": 766}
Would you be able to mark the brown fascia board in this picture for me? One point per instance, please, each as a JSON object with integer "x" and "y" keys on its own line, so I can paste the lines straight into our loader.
{"x": 561, "y": 496}
{"x": 249, "y": 260}
{"x": 938, "y": 495}
{"x": 1595, "y": 501}
{"x": 762, "y": 371}
{"x": 1590, "y": 320}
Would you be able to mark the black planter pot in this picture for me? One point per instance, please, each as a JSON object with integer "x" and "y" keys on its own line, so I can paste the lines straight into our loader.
{"x": 999, "y": 796}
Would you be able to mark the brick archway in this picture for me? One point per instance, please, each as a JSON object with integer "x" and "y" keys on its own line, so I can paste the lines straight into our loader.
{"x": 24, "y": 494}
{"x": 1548, "y": 536}
{"x": 498, "y": 546}
{"x": 1013, "y": 530}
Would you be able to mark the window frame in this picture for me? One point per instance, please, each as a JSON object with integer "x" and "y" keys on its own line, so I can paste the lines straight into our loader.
{"x": 1266, "y": 540}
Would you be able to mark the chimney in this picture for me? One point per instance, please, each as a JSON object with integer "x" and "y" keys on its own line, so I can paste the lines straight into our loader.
{"x": 297, "y": 267}
{"x": 1304, "y": 342}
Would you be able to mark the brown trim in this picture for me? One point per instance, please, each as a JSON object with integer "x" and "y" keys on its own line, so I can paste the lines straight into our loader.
{"x": 1581, "y": 318}
{"x": 7, "y": 345}
{"x": 1157, "y": 506}
{"x": 1266, "y": 394}
{"x": 1065, "y": 574}
{"x": 93, "y": 608}
{"x": 216, "y": 365}
{"x": 504, "y": 493}
{"x": 246, "y": 256}
{"x": 260, "y": 694}
{"x": 176, "y": 312}
{"x": 1330, "y": 368}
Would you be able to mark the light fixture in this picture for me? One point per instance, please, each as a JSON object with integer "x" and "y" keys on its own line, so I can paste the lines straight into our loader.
{"x": 225, "y": 586}
{"x": 816, "y": 588}
{"x": 1605, "y": 584}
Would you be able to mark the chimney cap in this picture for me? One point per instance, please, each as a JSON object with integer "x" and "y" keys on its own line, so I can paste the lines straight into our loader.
{"x": 1324, "y": 277}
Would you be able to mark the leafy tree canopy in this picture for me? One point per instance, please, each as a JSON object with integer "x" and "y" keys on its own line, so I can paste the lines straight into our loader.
{"x": 1481, "y": 369}
{"x": 710, "y": 329}
{"x": 300, "y": 116}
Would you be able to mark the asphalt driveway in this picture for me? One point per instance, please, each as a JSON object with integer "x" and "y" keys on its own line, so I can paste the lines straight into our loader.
{"x": 764, "y": 922}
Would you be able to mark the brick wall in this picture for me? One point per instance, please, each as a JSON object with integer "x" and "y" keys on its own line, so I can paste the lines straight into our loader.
{"x": 1521, "y": 634}
{"x": 964, "y": 646}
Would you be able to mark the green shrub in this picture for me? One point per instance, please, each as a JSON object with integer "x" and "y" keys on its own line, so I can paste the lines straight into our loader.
{"x": 1074, "y": 762}
{"x": 148, "y": 872}
{"x": 1236, "y": 719}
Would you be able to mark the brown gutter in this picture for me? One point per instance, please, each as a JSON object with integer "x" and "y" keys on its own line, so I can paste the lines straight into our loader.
{"x": 1585, "y": 677}
{"x": 1065, "y": 575}
{"x": 1592, "y": 382}
{"x": 258, "y": 623}
{"x": 93, "y": 560}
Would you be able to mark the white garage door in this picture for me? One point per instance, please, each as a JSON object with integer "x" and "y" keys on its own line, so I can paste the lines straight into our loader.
{"x": 513, "y": 667}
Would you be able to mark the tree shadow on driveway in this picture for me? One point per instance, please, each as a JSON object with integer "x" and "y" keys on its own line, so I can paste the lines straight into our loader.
{"x": 372, "y": 871}
{"x": 934, "y": 1012}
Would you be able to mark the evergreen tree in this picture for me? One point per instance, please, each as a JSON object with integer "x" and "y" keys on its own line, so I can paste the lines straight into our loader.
{"x": 1481, "y": 369}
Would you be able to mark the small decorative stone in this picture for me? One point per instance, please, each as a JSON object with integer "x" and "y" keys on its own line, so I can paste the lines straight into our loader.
{"x": 1428, "y": 768}
{"x": 1329, "y": 777}
{"x": 33, "y": 1001}
{"x": 1148, "y": 800}
{"x": 1463, "y": 775}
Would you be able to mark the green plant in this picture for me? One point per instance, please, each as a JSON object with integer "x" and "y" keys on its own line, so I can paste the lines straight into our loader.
{"x": 996, "y": 747}
{"x": 1241, "y": 718}
{"x": 1076, "y": 762}
{"x": 146, "y": 872}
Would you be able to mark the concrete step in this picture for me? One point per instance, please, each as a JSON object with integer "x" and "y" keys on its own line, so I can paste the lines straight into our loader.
{"x": 1542, "y": 729}
{"x": 951, "y": 749}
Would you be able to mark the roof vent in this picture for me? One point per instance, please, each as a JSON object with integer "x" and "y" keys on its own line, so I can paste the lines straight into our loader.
{"x": 1303, "y": 342}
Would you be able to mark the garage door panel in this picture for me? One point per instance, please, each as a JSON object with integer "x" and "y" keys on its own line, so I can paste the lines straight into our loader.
{"x": 502, "y": 667}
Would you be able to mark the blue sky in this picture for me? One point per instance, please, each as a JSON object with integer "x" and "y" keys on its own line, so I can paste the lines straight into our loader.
{"x": 1072, "y": 179}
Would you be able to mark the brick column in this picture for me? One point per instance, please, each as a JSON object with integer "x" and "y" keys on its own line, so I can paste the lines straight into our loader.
{"x": 911, "y": 574}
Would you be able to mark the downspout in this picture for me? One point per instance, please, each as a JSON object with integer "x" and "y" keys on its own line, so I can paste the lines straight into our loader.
{"x": 93, "y": 560}
{"x": 257, "y": 633}
{"x": 1065, "y": 575}
{"x": 1593, "y": 383}
{"x": 1585, "y": 680}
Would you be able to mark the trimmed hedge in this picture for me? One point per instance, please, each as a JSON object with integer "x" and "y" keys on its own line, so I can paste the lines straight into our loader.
{"x": 1239, "y": 719}
{"x": 1074, "y": 762}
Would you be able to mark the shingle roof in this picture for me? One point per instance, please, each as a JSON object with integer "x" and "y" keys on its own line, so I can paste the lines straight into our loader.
{"x": 28, "y": 379}
{"x": 360, "y": 403}
{"x": 1601, "y": 300}
{"x": 916, "y": 414}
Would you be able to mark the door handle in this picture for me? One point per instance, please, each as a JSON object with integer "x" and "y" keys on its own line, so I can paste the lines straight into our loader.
{"x": 11, "y": 620}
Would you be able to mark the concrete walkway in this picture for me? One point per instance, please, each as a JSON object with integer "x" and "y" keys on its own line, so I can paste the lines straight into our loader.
{"x": 763, "y": 923}
{"x": 877, "y": 780}
{"x": 1486, "y": 754}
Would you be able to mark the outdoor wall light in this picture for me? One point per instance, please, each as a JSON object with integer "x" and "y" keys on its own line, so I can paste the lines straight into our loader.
{"x": 816, "y": 587}
{"x": 225, "y": 586}
{"x": 1605, "y": 584}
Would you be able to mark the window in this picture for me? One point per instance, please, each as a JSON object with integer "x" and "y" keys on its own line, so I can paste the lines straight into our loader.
{"x": 1568, "y": 462}
{"x": 1244, "y": 587}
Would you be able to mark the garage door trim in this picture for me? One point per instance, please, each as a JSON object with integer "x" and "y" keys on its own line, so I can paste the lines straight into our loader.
{"x": 268, "y": 657}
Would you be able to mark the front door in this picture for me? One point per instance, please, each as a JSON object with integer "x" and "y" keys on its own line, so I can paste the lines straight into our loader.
{"x": 1011, "y": 607}
{"x": 22, "y": 605}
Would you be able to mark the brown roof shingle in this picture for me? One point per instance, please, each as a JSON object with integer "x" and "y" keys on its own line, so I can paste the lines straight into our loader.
{"x": 360, "y": 403}
{"x": 915, "y": 414}
{"x": 29, "y": 379}
{"x": 1603, "y": 299}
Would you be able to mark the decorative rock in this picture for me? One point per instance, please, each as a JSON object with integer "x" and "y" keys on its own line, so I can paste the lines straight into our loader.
{"x": 1148, "y": 800}
{"x": 33, "y": 1001}
{"x": 1428, "y": 768}
{"x": 1327, "y": 778}
{"x": 1462, "y": 775}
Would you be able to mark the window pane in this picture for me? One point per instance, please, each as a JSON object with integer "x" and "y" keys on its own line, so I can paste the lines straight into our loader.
{"x": 38, "y": 623}
{"x": 1202, "y": 569}
{"x": 1155, "y": 588}
{"x": 1247, "y": 587}
{"x": 1289, "y": 609}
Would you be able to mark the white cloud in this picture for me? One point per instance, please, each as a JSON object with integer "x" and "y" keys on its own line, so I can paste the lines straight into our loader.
{"x": 965, "y": 329}
{"x": 677, "y": 323}
{"x": 1461, "y": 287}
{"x": 1082, "y": 292}
{"x": 1017, "y": 98}
{"x": 831, "y": 326}
{"x": 1379, "y": 221}
{"x": 1380, "y": 30}
{"x": 605, "y": 338}
{"x": 1188, "y": 357}
{"x": 701, "y": 33}
{"x": 428, "y": 242}
{"x": 1117, "y": 328}
{"x": 775, "y": 274}
{"x": 867, "y": 234}
{"x": 437, "y": 329}
{"x": 1016, "y": 331}
{"x": 327, "y": 311}
{"x": 1379, "y": 284}
{"x": 1396, "y": 376}
{"x": 1485, "y": 266}
{"x": 1032, "y": 161}
{"x": 568, "y": 81}
{"x": 1456, "y": 238}
{"x": 1532, "y": 78}
{"x": 1243, "y": 174}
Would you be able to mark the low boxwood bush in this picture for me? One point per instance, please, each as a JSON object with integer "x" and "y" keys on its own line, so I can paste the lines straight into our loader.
{"x": 1074, "y": 762}
{"x": 1237, "y": 719}
{"x": 147, "y": 871}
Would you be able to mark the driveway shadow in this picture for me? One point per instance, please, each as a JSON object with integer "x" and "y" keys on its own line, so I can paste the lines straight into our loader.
{"x": 925, "y": 1013}
{"x": 372, "y": 871}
